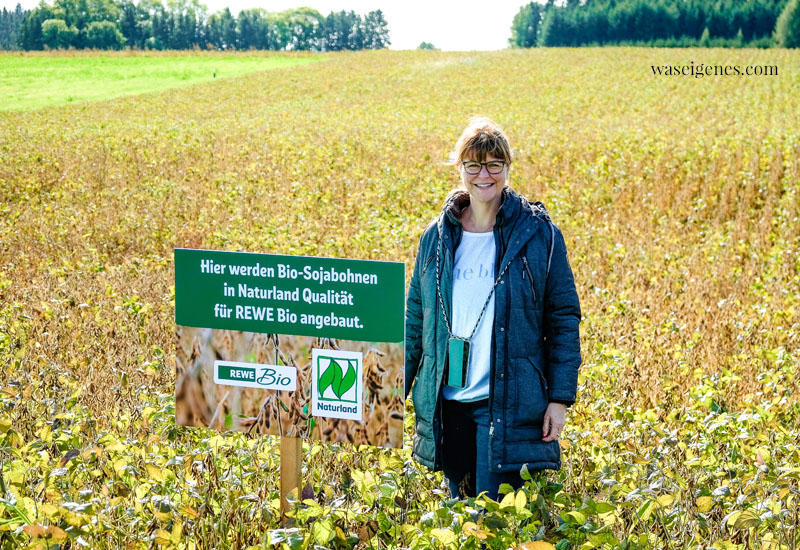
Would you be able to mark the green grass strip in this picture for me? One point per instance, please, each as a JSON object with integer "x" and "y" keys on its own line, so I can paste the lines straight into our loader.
{"x": 32, "y": 82}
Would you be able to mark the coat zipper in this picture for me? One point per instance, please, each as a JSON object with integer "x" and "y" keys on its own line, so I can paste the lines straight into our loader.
{"x": 525, "y": 263}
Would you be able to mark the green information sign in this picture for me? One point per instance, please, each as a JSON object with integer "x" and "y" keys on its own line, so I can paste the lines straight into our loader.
{"x": 301, "y": 295}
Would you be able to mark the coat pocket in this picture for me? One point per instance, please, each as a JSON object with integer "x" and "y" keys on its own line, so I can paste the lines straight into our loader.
{"x": 527, "y": 275}
{"x": 424, "y": 397}
{"x": 531, "y": 388}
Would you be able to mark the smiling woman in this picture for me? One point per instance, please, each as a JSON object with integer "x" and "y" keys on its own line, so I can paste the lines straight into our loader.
{"x": 491, "y": 368}
{"x": 44, "y": 81}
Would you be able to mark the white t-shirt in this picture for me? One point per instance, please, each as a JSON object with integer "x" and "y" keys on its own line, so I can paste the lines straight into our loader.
{"x": 473, "y": 279}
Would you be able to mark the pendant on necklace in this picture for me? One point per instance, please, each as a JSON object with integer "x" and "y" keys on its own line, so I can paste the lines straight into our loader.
{"x": 457, "y": 361}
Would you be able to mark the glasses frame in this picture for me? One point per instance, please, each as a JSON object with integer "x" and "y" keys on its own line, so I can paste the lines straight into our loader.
{"x": 482, "y": 164}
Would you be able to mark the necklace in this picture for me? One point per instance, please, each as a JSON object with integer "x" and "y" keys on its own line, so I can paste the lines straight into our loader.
{"x": 458, "y": 347}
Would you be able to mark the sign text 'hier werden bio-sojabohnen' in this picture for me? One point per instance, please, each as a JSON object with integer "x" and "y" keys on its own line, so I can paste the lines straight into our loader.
{"x": 289, "y": 294}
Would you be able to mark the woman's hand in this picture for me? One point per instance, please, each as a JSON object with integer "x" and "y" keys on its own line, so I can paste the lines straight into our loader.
{"x": 554, "y": 420}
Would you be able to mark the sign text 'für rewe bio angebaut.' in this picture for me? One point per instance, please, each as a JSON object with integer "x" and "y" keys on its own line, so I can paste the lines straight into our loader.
{"x": 325, "y": 297}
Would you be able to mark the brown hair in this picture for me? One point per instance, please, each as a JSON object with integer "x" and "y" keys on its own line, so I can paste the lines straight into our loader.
{"x": 482, "y": 137}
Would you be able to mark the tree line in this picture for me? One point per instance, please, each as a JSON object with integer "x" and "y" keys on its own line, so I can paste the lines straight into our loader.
{"x": 661, "y": 23}
{"x": 185, "y": 24}
{"x": 10, "y": 21}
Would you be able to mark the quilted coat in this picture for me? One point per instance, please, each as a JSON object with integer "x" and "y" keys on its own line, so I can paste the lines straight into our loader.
{"x": 535, "y": 337}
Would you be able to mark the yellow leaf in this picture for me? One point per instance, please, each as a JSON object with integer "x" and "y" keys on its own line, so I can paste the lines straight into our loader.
{"x": 120, "y": 465}
{"x": 187, "y": 511}
{"x": 445, "y": 536}
{"x": 508, "y": 501}
{"x": 161, "y": 516}
{"x": 48, "y": 509}
{"x": 704, "y": 504}
{"x": 56, "y": 533}
{"x": 155, "y": 473}
{"x": 520, "y": 501}
{"x": 747, "y": 519}
{"x": 666, "y": 500}
{"x": 16, "y": 477}
{"x": 73, "y": 519}
{"x": 732, "y": 518}
{"x": 116, "y": 446}
{"x": 177, "y": 531}
{"x": 536, "y": 545}
{"x": 163, "y": 537}
{"x": 469, "y": 528}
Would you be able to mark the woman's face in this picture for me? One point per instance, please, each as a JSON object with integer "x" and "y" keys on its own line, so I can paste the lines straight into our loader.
{"x": 484, "y": 186}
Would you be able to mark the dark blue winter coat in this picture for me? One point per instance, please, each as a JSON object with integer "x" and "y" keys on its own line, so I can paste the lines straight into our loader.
{"x": 535, "y": 339}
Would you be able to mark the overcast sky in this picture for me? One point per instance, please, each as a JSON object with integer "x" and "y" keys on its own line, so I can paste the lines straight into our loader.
{"x": 465, "y": 25}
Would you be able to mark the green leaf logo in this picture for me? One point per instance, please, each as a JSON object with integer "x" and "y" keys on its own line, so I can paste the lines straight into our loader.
{"x": 327, "y": 377}
{"x": 347, "y": 382}
{"x": 334, "y": 379}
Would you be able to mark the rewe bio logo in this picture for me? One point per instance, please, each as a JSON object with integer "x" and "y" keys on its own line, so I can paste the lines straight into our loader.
{"x": 337, "y": 381}
{"x": 255, "y": 375}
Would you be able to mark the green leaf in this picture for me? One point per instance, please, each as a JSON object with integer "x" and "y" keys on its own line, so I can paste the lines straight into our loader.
{"x": 495, "y": 522}
{"x": 747, "y": 519}
{"x": 16, "y": 511}
{"x": 326, "y": 378}
{"x": 228, "y": 421}
{"x": 323, "y": 531}
{"x": 348, "y": 381}
{"x": 604, "y": 507}
{"x": 645, "y": 509}
{"x": 337, "y": 377}
{"x": 574, "y": 518}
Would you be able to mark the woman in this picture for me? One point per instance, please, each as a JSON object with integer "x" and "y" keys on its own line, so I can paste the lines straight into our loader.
{"x": 492, "y": 342}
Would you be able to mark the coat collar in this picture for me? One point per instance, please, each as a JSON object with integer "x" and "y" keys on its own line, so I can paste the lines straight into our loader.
{"x": 516, "y": 222}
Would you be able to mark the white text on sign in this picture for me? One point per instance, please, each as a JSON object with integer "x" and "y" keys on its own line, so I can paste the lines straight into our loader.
{"x": 255, "y": 375}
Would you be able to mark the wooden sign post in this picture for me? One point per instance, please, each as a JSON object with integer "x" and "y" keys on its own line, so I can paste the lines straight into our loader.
{"x": 291, "y": 469}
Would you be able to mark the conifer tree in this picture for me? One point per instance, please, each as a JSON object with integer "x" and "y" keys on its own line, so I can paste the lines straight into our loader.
{"x": 787, "y": 28}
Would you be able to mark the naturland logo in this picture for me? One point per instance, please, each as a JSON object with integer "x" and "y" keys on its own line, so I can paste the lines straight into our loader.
{"x": 337, "y": 377}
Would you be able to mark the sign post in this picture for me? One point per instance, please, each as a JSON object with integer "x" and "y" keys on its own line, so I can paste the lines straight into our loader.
{"x": 291, "y": 469}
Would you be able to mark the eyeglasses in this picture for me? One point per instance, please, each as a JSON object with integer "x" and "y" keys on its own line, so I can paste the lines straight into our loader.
{"x": 472, "y": 167}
